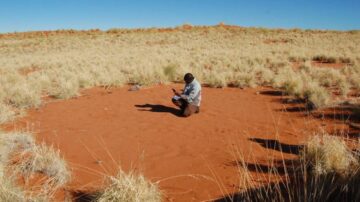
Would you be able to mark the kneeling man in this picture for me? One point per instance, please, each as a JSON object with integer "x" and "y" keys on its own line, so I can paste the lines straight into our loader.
{"x": 189, "y": 100}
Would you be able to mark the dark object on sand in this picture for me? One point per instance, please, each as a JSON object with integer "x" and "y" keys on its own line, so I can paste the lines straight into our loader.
{"x": 135, "y": 88}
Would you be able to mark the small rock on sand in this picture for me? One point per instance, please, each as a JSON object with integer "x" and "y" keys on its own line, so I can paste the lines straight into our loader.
{"x": 134, "y": 88}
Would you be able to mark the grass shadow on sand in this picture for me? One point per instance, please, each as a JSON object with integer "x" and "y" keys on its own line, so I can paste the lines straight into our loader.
{"x": 159, "y": 108}
{"x": 276, "y": 145}
{"x": 346, "y": 113}
{"x": 84, "y": 196}
{"x": 280, "y": 167}
{"x": 296, "y": 182}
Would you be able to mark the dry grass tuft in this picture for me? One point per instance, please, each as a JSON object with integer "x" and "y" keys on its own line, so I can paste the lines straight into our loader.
{"x": 6, "y": 113}
{"x": 60, "y": 63}
{"x": 324, "y": 59}
{"x": 47, "y": 161}
{"x": 9, "y": 192}
{"x": 328, "y": 154}
{"x": 20, "y": 157}
{"x": 216, "y": 80}
{"x": 13, "y": 143}
{"x": 130, "y": 187}
{"x": 326, "y": 170}
{"x": 316, "y": 95}
{"x": 171, "y": 72}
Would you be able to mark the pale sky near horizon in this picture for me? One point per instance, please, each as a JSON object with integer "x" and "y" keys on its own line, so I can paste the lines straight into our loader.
{"x": 30, "y": 15}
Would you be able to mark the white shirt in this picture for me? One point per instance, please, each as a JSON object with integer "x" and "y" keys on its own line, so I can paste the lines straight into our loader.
{"x": 192, "y": 93}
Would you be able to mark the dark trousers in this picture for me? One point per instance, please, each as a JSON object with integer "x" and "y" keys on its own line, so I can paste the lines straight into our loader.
{"x": 186, "y": 109}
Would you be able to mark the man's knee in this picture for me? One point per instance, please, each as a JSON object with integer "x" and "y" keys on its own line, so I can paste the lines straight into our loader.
{"x": 176, "y": 102}
{"x": 186, "y": 113}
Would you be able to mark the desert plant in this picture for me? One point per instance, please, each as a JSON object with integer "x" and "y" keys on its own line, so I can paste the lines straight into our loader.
{"x": 324, "y": 59}
{"x": 316, "y": 95}
{"x": 216, "y": 80}
{"x": 326, "y": 170}
{"x": 46, "y": 160}
{"x": 65, "y": 88}
{"x": 244, "y": 79}
{"x": 9, "y": 192}
{"x": 13, "y": 144}
{"x": 291, "y": 82}
{"x": 67, "y": 60}
{"x": 21, "y": 158}
{"x": 171, "y": 72}
{"x": 327, "y": 154}
{"x": 129, "y": 187}
{"x": 6, "y": 113}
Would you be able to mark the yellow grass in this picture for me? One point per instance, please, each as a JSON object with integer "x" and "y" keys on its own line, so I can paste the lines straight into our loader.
{"x": 325, "y": 170}
{"x": 60, "y": 63}
{"x": 21, "y": 158}
{"x": 129, "y": 187}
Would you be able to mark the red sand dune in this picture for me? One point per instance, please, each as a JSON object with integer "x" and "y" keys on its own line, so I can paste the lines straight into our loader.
{"x": 191, "y": 158}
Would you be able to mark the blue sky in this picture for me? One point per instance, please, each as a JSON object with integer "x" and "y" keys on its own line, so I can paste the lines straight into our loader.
{"x": 28, "y": 15}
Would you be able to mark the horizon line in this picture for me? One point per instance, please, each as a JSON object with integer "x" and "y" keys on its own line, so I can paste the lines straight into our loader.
{"x": 179, "y": 26}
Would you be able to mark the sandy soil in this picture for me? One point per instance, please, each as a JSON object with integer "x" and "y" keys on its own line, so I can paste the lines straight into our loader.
{"x": 192, "y": 158}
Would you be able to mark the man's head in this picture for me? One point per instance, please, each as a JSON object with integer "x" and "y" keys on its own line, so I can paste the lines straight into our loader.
{"x": 188, "y": 78}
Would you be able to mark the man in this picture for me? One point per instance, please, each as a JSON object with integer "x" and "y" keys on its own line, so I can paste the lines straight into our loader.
{"x": 189, "y": 100}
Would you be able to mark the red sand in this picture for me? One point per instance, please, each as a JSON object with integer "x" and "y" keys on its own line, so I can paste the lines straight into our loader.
{"x": 192, "y": 157}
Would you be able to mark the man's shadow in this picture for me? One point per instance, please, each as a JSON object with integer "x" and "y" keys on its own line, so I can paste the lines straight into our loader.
{"x": 159, "y": 108}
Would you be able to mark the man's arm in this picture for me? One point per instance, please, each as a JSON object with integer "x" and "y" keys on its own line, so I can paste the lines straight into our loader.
{"x": 176, "y": 93}
{"x": 194, "y": 92}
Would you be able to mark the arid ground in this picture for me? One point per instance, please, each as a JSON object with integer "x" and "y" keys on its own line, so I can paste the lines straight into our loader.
{"x": 269, "y": 96}
{"x": 192, "y": 159}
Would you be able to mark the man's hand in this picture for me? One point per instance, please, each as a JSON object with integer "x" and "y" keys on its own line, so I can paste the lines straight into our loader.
{"x": 175, "y": 92}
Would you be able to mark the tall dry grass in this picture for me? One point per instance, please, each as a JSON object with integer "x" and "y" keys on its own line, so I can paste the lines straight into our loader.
{"x": 22, "y": 160}
{"x": 325, "y": 170}
{"x": 129, "y": 187}
{"x": 60, "y": 63}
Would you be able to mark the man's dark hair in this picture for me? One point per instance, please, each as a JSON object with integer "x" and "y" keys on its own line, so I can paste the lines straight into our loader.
{"x": 188, "y": 78}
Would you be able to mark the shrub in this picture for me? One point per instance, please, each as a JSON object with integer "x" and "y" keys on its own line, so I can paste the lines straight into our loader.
{"x": 21, "y": 157}
{"x": 24, "y": 96}
{"x": 266, "y": 76}
{"x": 292, "y": 83}
{"x": 130, "y": 187}
{"x": 10, "y": 192}
{"x": 16, "y": 90}
{"x": 244, "y": 79}
{"x": 145, "y": 76}
{"x": 355, "y": 81}
{"x": 14, "y": 143}
{"x": 216, "y": 79}
{"x": 324, "y": 59}
{"x": 65, "y": 88}
{"x": 171, "y": 72}
{"x": 6, "y": 113}
{"x": 316, "y": 95}
{"x": 45, "y": 160}
{"x": 345, "y": 60}
{"x": 329, "y": 154}
{"x": 344, "y": 87}
{"x": 326, "y": 171}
